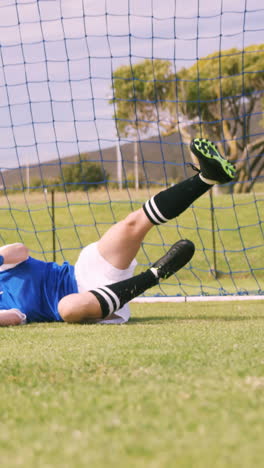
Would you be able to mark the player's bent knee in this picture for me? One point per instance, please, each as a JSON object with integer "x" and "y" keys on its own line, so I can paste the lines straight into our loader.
{"x": 66, "y": 308}
{"x": 79, "y": 307}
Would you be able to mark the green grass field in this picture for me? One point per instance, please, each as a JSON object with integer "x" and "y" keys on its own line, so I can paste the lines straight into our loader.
{"x": 82, "y": 218}
{"x": 182, "y": 385}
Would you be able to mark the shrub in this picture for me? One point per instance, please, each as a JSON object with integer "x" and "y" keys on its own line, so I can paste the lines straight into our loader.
{"x": 83, "y": 175}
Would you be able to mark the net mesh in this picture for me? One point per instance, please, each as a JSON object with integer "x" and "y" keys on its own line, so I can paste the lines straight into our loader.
{"x": 98, "y": 104}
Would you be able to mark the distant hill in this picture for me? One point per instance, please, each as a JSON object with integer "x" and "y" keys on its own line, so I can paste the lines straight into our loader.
{"x": 158, "y": 160}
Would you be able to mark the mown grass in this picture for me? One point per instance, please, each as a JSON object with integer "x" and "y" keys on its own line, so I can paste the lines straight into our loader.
{"x": 180, "y": 386}
{"x": 82, "y": 218}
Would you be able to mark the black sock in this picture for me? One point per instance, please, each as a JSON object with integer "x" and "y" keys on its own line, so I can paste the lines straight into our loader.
{"x": 173, "y": 201}
{"x": 113, "y": 296}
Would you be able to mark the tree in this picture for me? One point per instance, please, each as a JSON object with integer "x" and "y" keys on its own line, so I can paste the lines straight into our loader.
{"x": 217, "y": 96}
{"x": 140, "y": 96}
{"x": 83, "y": 175}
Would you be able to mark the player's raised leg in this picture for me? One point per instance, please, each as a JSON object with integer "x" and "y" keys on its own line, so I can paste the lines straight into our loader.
{"x": 120, "y": 244}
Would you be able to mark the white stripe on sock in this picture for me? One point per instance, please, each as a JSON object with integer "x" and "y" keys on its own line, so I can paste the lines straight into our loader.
{"x": 113, "y": 295}
{"x": 154, "y": 271}
{"x": 208, "y": 181}
{"x": 107, "y": 298}
{"x": 158, "y": 211}
{"x": 150, "y": 212}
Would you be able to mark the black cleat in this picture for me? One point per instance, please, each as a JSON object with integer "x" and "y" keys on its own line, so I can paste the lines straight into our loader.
{"x": 212, "y": 165}
{"x": 178, "y": 255}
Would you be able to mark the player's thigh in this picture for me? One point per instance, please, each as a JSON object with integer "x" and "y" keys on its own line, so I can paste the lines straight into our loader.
{"x": 93, "y": 271}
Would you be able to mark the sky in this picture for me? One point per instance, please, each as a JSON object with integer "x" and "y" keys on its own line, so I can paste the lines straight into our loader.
{"x": 57, "y": 58}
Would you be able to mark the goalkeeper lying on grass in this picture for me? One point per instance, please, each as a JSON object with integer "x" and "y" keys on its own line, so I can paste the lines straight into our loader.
{"x": 99, "y": 286}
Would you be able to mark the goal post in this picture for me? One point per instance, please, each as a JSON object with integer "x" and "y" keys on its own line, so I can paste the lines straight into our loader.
{"x": 98, "y": 104}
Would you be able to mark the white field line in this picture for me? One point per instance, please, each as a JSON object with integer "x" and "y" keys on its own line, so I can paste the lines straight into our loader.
{"x": 197, "y": 299}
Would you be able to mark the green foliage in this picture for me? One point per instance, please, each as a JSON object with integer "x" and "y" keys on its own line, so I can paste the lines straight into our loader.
{"x": 217, "y": 82}
{"x": 219, "y": 92}
{"x": 223, "y": 90}
{"x": 79, "y": 176}
{"x": 214, "y": 84}
{"x": 139, "y": 92}
{"x": 130, "y": 182}
{"x": 83, "y": 176}
{"x": 38, "y": 185}
{"x": 35, "y": 185}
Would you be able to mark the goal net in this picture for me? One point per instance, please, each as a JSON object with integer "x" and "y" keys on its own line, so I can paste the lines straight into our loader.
{"x": 99, "y": 101}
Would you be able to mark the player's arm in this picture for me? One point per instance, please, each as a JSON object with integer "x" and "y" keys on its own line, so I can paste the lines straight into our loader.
{"x": 11, "y": 317}
{"x": 11, "y": 255}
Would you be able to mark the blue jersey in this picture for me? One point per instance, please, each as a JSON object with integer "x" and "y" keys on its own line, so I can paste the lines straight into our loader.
{"x": 36, "y": 287}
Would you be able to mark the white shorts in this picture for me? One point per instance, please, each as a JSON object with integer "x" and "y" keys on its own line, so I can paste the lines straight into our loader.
{"x": 93, "y": 271}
